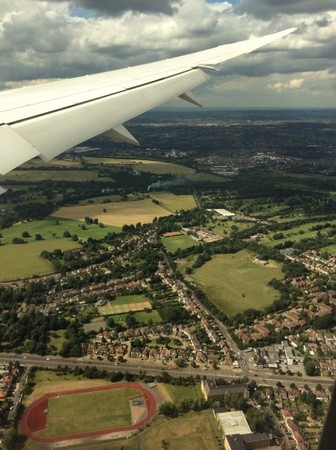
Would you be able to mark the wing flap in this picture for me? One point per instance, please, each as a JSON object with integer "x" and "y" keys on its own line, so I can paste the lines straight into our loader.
{"x": 15, "y": 149}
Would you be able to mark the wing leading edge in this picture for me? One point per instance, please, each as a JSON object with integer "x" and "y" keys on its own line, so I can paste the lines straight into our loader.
{"x": 49, "y": 119}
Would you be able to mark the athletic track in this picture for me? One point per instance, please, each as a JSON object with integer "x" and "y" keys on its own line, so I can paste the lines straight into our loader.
{"x": 34, "y": 417}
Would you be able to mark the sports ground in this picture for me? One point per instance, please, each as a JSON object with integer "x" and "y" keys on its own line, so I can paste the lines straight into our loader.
{"x": 35, "y": 421}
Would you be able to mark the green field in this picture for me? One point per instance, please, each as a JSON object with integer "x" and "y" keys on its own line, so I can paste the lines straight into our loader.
{"x": 13, "y": 258}
{"x": 234, "y": 282}
{"x": 54, "y": 175}
{"x": 192, "y": 431}
{"x": 52, "y": 229}
{"x": 143, "y": 165}
{"x": 117, "y": 214}
{"x": 120, "y": 301}
{"x": 79, "y": 413}
{"x": 173, "y": 202}
{"x": 177, "y": 393}
{"x": 173, "y": 243}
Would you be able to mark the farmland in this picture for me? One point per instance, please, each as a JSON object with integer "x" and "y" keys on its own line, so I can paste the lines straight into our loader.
{"x": 234, "y": 282}
{"x": 142, "y": 165}
{"x": 53, "y": 175}
{"x": 13, "y": 258}
{"x": 52, "y": 229}
{"x": 117, "y": 214}
{"x": 174, "y": 202}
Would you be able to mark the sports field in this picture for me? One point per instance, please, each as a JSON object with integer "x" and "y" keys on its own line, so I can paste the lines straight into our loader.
{"x": 117, "y": 214}
{"x": 88, "y": 413}
{"x": 142, "y": 165}
{"x": 73, "y": 414}
{"x": 13, "y": 258}
{"x": 124, "y": 304}
{"x": 234, "y": 282}
{"x": 173, "y": 243}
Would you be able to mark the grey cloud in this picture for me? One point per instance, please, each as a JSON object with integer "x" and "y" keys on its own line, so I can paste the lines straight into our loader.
{"x": 270, "y": 8}
{"x": 117, "y": 7}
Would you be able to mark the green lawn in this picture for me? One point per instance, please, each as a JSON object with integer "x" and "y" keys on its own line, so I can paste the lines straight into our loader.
{"x": 24, "y": 260}
{"x": 175, "y": 242}
{"x": 234, "y": 283}
{"x": 57, "y": 339}
{"x": 88, "y": 412}
{"x": 178, "y": 393}
{"x": 110, "y": 308}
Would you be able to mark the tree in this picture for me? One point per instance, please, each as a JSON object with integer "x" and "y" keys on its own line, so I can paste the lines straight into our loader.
{"x": 66, "y": 234}
{"x": 38, "y": 237}
{"x": 168, "y": 409}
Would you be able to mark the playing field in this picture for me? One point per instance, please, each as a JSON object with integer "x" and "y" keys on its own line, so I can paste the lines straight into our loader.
{"x": 234, "y": 282}
{"x": 142, "y": 165}
{"x": 13, "y": 258}
{"x": 124, "y": 304}
{"x": 173, "y": 243}
{"x": 118, "y": 214}
{"x": 72, "y": 414}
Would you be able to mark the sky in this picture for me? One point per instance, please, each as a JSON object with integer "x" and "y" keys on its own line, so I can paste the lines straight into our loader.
{"x": 50, "y": 39}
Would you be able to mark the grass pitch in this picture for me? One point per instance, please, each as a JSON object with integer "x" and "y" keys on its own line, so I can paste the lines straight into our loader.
{"x": 125, "y": 303}
{"x": 234, "y": 282}
{"x": 175, "y": 242}
{"x": 92, "y": 411}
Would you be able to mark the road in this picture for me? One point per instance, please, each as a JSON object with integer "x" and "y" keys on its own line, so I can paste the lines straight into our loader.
{"x": 259, "y": 376}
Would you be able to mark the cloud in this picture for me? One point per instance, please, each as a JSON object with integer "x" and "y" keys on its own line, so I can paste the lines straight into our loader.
{"x": 117, "y": 7}
{"x": 269, "y": 8}
{"x": 56, "y": 39}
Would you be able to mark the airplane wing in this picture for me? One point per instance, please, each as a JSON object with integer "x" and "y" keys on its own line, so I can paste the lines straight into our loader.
{"x": 48, "y": 119}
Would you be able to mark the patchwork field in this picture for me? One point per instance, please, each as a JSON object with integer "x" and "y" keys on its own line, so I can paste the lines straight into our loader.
{"x": 234, "y": 282}
{"x": 13, "y": 258}
{"x": 142, "y": 165}
{"x": 117, "y": 214}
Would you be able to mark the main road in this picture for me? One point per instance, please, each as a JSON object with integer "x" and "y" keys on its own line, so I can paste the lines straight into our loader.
{"x": 151, "y": 368}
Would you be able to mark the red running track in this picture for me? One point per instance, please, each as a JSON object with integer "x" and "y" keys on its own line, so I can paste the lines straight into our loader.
{"x": 35, "y": 418}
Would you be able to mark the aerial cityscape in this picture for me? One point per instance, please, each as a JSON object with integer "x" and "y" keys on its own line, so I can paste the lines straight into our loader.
{"x": 198, "y": 269}
{"x": 167, "y": 272}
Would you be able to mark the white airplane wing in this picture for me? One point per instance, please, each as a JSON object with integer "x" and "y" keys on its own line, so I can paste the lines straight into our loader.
{"x": 48, "y": 119}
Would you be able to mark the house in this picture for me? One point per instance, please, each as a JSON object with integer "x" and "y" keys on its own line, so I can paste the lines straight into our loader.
{"x": 212, "y": 391}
